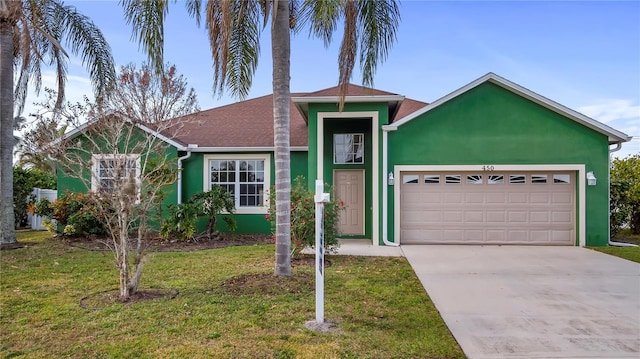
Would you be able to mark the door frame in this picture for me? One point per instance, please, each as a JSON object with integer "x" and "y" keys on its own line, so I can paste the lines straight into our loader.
{"x": 375, "y": 160}
{"x": 364, "y": 202}
{"x": 580, "y": 190}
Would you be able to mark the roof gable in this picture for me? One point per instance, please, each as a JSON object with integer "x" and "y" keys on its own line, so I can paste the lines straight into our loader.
{"x": 613, "y": 135}
{"x": 147, "y": 129}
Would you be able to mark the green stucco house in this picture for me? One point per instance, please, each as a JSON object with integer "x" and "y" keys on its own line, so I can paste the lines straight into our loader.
{"x": 490, "y": 163}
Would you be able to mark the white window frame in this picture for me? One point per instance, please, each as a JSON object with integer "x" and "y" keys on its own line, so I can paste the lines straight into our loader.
{"x": 95, "y": 169}
{"x": 361, "y": 134}
{"x": 239, "y": 157}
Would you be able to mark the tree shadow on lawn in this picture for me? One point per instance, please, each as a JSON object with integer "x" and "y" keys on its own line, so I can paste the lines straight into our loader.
{"x": 246, "y": 284}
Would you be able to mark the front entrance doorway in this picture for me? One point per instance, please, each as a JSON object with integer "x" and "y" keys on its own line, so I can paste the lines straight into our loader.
{"x": 349, "y": 188}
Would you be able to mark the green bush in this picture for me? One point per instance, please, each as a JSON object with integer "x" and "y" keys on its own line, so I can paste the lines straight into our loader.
{"x": 212, "y": 204}
{"x": 181, "y": 222}
{"x": 303, "y": 217}
{"x": 75, "y": 213}
{"x": 625, "y": 194}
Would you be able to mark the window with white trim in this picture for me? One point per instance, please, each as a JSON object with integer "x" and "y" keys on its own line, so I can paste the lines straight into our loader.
{"x": 246, "y": 177}
{"x": 348, "y": 148}
{"x": 110, "y": 171}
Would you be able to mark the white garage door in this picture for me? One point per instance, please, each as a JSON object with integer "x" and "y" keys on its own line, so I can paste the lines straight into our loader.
{"x": 487, "y": 208}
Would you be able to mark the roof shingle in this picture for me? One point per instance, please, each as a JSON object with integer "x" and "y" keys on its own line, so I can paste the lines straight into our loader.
{"x": 249, "y": 123}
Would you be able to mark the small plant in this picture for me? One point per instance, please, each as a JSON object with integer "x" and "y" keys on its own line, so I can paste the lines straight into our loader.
{"x": 303, "y": 218}
{"x": 182, "y": 218}
{"x": 180, "y": 223}
{"x": 212, "y": 204}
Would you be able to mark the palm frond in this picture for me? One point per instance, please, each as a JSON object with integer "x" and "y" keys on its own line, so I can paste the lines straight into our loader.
{"x": 322, "y": 17}
{"x": 147, "y": 19}
{"x": 377, "y": 25}
{"x": 234, "y": 36}
{"x": 244, "y": 49}
{"x": 86, "y": 39}
{"x": 193, "y": 9}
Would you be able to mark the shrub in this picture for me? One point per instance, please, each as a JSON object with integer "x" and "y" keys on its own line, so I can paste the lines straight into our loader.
{"x": 213, "y": 203}
{"x": 182, "y": 218}
{"x": 303, "y": 217}
{"x": 625, "y": 193}
{"x": 180, "y": 223}
{"x": 74, "y": 213}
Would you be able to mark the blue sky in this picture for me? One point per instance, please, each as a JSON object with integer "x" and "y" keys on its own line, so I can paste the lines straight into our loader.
{"x": 583, "y": 54}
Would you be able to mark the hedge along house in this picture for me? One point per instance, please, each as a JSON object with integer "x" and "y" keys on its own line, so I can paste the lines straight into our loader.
{"x": 491, "y": 163}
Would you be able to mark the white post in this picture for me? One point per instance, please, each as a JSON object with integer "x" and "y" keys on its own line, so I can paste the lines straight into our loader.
{"x": 320, "y": 199}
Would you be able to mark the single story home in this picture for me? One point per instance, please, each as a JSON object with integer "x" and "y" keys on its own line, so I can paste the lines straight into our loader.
{"x": 490, "y": 163}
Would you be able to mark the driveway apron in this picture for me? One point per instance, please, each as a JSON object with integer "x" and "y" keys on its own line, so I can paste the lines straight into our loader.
{"x": 533, "y": 302}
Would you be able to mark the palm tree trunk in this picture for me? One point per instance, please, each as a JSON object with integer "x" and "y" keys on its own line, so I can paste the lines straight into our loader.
{"x": 281, "y": 53}
{"x": 7, "y": 218}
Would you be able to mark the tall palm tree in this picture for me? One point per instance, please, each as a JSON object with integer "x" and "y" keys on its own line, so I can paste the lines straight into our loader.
{"x": 31, "y": 35}
{"x": 234, "y": 34}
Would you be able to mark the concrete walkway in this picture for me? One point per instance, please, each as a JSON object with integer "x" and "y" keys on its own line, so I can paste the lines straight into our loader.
{"x": 533, "y": 302}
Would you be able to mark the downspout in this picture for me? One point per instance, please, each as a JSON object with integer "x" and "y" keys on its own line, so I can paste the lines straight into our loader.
{"x": 180, "y": 159}
{"x": 385, "y": 186}
{"x": 611, "y": 243}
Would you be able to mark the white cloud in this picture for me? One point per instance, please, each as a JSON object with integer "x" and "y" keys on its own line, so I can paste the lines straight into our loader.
{"x": 609, "y": 110}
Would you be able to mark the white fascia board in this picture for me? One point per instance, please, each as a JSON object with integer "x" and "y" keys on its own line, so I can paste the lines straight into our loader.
{"x": 162, "y": 137}
{"x": 78, "y": 130}
{"x": 336, "y": 99}
{"x": 246, "y": 149}
{"x": 614, "y": 136}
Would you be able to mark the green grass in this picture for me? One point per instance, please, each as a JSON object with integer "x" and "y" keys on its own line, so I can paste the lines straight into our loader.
{"x": 378, "y": 304}
{"x": 630, "y": 253}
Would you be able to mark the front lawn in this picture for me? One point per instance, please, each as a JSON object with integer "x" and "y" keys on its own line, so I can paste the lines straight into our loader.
{"x": 379, "y": 305}
{"x": 630, "y": 253}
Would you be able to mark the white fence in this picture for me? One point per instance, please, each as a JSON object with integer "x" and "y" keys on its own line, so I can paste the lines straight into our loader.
{"x": 51, "y": 195}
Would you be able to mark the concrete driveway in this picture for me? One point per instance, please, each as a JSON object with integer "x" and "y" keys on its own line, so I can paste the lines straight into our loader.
{"x": 533, "y": 302}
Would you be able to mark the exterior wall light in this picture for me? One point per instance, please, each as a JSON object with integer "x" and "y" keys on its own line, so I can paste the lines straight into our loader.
{"x": 390, "y": 180}
{"x": 591, "y": 179}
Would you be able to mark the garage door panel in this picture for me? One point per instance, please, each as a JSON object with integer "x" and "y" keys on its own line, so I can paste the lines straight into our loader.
{"x": 561, "y": 198}
{"x": 474, "y": 198}
{"x": 540, "y": 237}
{"x": 453, "y": 235}
{"x": 474, "y": 235}
{"x": 518, "y": 217}
{"x": 500, "y": 208}
{"x": 496, "y": 217}
{"x": 496, "y": 236}
{"x": 558, "y": 236}
{"x": 518, "y": 236}
{"x": 454, "y": 217}
{"x": 474, "y": 216}
{"x": 517, "y": 197}
{"x": 539, "y": 217}
{"x": 539, "y": 198}
{"x": 456, "y": 198}
{"x": 562, "y": 217}
{"x": 495, "y": 197}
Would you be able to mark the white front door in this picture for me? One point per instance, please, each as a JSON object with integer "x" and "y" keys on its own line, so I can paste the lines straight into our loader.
{"x": 349, "y": 188}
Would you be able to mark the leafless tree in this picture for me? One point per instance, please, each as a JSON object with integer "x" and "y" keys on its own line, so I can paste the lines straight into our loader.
{"x": 122, "y": 157}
